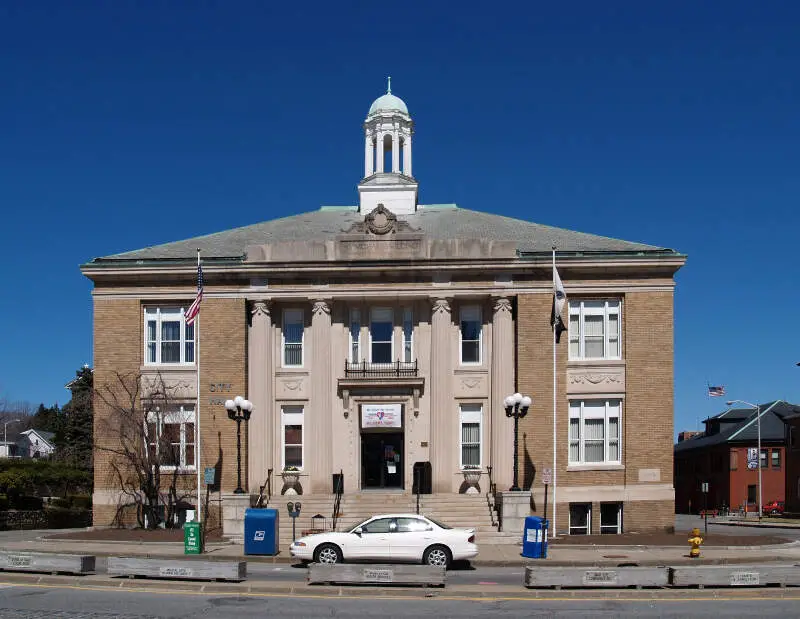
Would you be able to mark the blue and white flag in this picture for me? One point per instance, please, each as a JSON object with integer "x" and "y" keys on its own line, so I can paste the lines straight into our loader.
{"x": 559, "y": 299}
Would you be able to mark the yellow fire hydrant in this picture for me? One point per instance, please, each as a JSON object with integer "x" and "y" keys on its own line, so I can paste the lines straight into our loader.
{"x": 695, "y": 540}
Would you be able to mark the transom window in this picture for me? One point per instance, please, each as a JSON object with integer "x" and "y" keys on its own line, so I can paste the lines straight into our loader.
{"x": 471, "y": 417}
{"x": 471, "y": 334}
{"x": 292, "y": 436}
{"x": 594, "y": 431}
{"x": 293, "y": 336}
{"x": 381, "y": 326}
{"x": 594, "y": 329}
{"x": 170, "y": 438}
{"x": 168, "y": 339}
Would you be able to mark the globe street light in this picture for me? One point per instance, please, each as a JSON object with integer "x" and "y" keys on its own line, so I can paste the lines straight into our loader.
{"x": 757, "y": 408}
{"x": 516, "y": 406}
{"x": 5, "y": 435}
{"x": 239, "y": 409}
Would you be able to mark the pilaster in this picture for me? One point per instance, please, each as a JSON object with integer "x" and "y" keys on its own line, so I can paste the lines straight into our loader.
{"x": 502, "y": 432}
{"x": 318, "y": 420}
{"x": 261, "y": 393}
{"x": 442, "y": 415}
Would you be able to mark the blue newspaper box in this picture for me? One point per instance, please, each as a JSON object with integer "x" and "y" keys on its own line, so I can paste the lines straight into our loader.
{"x": 261, "y": 531}
{"x": 534, "y": 537}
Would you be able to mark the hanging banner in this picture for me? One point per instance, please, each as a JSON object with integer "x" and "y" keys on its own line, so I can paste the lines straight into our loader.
{"x": 381, "y": 416}
{"x": 752, "y": 458}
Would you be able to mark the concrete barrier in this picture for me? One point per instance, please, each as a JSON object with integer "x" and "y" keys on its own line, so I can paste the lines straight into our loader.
{"x": 179, "y": 569}
{"x": 735, "y": 575}
{"x": 338, "y": 573}
{"x": 595, "y": 577}
{"x": 54, "y": 563}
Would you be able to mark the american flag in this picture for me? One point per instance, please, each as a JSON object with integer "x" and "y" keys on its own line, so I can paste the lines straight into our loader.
{"x": 194, "y": 308}
{"x": 716, "y": 391}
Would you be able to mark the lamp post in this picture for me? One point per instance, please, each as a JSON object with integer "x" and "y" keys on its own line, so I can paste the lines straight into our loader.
{"x": 239, "y": 409}
{"x": 517, "y": 407}
{"x": 757, "y": 408}
{"x": 5, "y": 435}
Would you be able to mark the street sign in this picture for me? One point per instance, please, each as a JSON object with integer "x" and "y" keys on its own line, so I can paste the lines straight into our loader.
{"x": 209, "y": 473}
{"x": 547, "y": 476}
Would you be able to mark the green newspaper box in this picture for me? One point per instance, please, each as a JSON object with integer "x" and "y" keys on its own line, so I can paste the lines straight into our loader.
{"x": 192, "y": 539}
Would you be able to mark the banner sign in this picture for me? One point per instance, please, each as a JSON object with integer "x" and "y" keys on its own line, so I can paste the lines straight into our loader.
{"x": 752, "y": 458}
{"x": 381, "y": 416}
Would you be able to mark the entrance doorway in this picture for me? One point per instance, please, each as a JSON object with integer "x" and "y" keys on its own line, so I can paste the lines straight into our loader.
{"x": 382, "y": 460}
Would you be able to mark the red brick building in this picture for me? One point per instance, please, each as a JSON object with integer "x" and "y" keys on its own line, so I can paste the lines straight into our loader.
{"x": 726, "y": 457}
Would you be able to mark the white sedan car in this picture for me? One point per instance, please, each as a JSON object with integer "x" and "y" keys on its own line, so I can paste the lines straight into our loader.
{"x": 389, "y": 537}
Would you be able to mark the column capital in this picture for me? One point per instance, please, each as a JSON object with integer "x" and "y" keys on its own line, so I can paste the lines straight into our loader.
{"x": 502, "y": 305}
{"x": 261, "y": 308}
{"x": 440, "y": 305}
{"x": 320, "y": 306}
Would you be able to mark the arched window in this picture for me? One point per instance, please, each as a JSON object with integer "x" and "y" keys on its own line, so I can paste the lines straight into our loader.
{"x": 387, "y": 153}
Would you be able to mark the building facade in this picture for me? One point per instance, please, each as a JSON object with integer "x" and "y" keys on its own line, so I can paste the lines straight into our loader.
{"x": 375, "y": 337}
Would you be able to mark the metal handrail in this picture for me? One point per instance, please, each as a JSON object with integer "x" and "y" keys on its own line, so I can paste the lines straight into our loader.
{"x": 417, "y": 485}
{"x": 367, "y": 369}
{"x": 492, "y": 492}
{"x": 268, "y": 486}
{"x": 337, "y": 502}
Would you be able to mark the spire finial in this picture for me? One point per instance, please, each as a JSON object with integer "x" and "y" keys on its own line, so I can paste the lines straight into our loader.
{"x": 389, "y": 85}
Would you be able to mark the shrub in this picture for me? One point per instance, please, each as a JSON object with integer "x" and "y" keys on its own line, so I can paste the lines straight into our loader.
{"x": 80, "y": 501}
{"x": 60, "y": 502}
{"x": 27, "y": 503}
{"x": 4, "y": 503}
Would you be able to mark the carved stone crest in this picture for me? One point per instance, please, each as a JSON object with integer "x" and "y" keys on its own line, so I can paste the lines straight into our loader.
{"x": 380, "y": 222}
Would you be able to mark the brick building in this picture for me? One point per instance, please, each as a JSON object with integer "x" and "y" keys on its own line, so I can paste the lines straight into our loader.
{"x": 373, "y": 337}
{"x": 725, "y": 457}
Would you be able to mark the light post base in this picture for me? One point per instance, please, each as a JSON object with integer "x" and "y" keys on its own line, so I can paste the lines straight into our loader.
{"x": 515, "y": 506}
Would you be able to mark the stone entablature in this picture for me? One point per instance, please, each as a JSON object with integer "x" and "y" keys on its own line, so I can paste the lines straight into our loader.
{"x": 596, "y": 378}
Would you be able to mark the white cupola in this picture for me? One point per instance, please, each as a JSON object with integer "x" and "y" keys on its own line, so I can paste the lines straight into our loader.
{"x": 387, "y": 157}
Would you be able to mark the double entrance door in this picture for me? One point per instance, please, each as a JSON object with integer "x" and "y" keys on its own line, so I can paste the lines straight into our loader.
{"x": 382, "y": 459}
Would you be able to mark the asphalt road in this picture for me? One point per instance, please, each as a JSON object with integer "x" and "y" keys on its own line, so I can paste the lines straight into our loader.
{"x": 39, "y": 602}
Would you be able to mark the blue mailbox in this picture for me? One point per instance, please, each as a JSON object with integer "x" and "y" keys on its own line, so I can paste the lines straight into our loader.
{"x": 261, "y": 531}
{"x": 534, "y": 537}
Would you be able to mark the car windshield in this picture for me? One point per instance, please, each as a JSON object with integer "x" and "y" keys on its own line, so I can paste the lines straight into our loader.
{"x": 362, "y": 523}
{"x": 441, "y": 525}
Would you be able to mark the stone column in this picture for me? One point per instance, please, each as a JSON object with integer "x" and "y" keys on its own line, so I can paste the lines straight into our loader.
{"x": 407, "y": 156}
{"x": 318, "y": 417}
{"x": 502, "y": 428}
{"x": 368, "y": 156}
{"x": 395, "y": 152}
{"x": 260, "y": 393}
{"x": 442, "y": 413}
{"x": 379, "y": 152}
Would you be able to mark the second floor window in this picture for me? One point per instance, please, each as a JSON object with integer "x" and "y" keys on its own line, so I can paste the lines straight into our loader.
{"x": 381, "y": 326}
{"x": 594, "y": 329}
{"x": 293, "y": 332}
{"x": 168, "y": 339}
{"x": 471, "y": 334}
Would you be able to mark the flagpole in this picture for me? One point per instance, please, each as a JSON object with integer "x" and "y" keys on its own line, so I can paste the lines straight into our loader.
{"x": 197, "y": 408}
{"x": 555, "y": 441}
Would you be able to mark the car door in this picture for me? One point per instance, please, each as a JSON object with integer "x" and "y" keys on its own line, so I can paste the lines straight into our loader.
{"x": 373, "y": 543}
{"x": 412, "y": 537}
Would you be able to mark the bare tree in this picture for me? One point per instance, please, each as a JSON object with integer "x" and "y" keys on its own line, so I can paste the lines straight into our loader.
{"x": 147, "y": 444}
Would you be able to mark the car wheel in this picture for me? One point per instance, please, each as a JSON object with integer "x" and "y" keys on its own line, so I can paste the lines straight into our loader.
{"x": 329, "y": 554}
{"x": 437, "y": 555}
{"x": 774, "y": 512}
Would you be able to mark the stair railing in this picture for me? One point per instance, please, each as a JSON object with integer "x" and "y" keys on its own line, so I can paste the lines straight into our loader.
{"x": 266, "y": 487}
{"x": 337, "y": 501}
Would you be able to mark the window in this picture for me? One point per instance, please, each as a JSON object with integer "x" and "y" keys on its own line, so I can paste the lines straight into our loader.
{"x": 381, "y": 326}
{"x": 734, "y": 459}
{"x": 610, "y": 518}
{"x": 776, "y": 458}
{"x": 292, "y": 436}
{"x": 170, "y": 438}
{"x": 168, "y": 339}
{"x": 471, "y": 334}
{"x": 471, "y": 415}
{"x": 751, "y": 493}
{"x": 293, "y": 333}
{"x": 355, "y": 335}
{"x": 594, "y": 330}
{"x": 594, "y": 431}
{"x": 381, "y": 525}
{"x": 763, "y": 463}
{"x": 580, "y": 518}
{"x": 412, "y": 525}
{"x": 408, "y": 334}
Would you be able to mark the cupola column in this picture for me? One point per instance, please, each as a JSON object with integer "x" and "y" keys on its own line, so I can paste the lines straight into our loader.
{"x": 395, "y": 151}
{"x": 379, "y": 152}
{"x": 369, "y": 155}
{"x": 407, "y": 154}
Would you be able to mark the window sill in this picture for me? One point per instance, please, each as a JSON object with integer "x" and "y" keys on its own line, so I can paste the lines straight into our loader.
{"x": 596, "y": 466}
{"x": 589, "y": 362}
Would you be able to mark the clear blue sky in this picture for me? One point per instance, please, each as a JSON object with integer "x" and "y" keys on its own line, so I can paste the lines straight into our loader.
{"x": 127, "y": 124}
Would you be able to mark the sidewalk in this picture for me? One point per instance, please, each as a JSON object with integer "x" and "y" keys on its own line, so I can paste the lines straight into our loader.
{"x": 497, "y": 555}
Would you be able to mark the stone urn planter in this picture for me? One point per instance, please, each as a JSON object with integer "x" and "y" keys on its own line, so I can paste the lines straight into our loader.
{"x": 472, "y": 476}
{"x": 291, "y": 479}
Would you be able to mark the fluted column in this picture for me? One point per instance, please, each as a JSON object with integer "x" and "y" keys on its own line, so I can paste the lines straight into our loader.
{"x": 395, "y": 151}
{"x": 259, "y": 392}
{"x": 318, "y": 420}
{"x": 441, "y": 413}
{"x": 379, "y": 152}
{"x": 502, "y": 428}
{"x": 368, "y": 156}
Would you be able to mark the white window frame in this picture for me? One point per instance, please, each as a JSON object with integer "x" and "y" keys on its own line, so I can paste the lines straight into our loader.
{"x": 606, "y": 529}
{"x": 355, "y": 342}
{"x": 288, "y": 312}
{"x": 577, "y": 410}
{"x": 293, "y": 415}
{"x": 182, "y": 416}
{"x": 390, "y": 312}
{"x": 578, "y": 310}
{"x": 157, "y": 314}
{"x": 408, "y": 334}
{"x": 588, "y": 518}
{"x": 470, "y": 413}
{"x": 465, "y": 309}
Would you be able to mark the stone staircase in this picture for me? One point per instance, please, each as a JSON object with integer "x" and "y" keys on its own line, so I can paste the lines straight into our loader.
{"x": 455, "y": 510}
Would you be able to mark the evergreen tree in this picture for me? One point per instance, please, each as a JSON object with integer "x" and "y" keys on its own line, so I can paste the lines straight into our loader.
{"x": 74, "y": 434}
